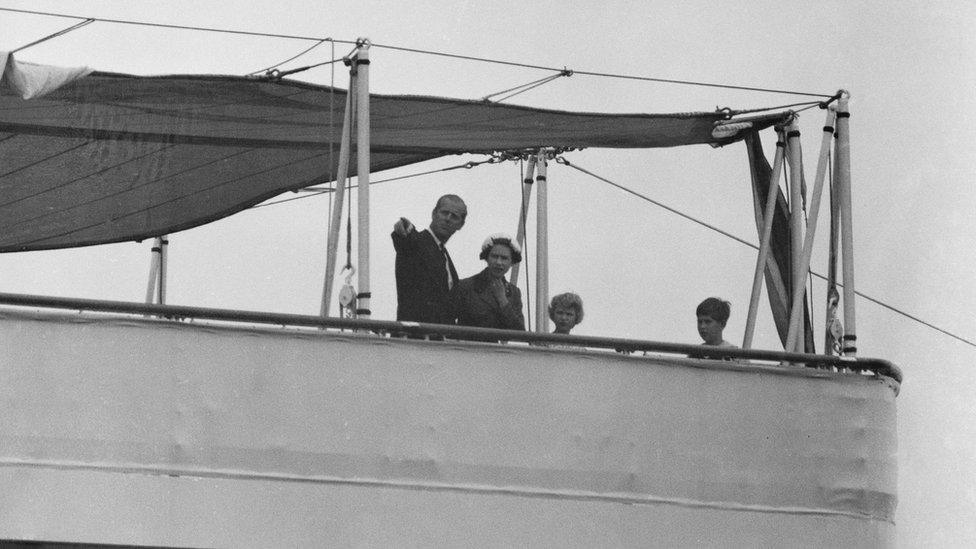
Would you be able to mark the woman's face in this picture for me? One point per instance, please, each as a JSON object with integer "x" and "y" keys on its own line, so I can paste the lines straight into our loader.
{"x": 499, "y": 260}
{"x": 564, "y": 318}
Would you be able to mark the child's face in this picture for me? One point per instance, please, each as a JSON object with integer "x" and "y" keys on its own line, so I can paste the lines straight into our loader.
{"x": 710, "y": 329}
{"x": 564, "y": 318}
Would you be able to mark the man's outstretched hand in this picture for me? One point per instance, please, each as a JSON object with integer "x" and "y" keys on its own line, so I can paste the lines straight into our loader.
{"x": 403, "y": 226}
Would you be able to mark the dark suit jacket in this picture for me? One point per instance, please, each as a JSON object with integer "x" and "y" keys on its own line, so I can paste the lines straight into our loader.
{"x": 421, "y": 280}
{"x": 475, "y": 305}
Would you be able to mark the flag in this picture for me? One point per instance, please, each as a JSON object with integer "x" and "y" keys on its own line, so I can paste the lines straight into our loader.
{"x": 779, "y": 271}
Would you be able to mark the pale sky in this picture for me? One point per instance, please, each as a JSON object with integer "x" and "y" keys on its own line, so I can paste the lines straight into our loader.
{"x": 911, "y": 71}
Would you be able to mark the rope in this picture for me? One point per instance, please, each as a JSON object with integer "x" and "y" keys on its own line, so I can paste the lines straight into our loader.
{"x": 55, "y": 35}
{"x": 526, "y": 87}
{"x": 550, "y": 79}
{"x": 756, "y": 247}
{"x": 292, "y": 58}
{"x": 435, "y": 53}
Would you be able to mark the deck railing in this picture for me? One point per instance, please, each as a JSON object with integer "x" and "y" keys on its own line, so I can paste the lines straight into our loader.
{"x": 878, "y": 367}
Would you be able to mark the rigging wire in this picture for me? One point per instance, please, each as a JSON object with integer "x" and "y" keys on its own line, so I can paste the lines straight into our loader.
{"x": 601, "y": 74}
{"x": 178, "y": 27}
{"x": 806, "y": 104}
{"x": 878, "y": 302}
{"x": 547, "y": 80}
{"x": 275, "y": 74}
{"x": 55, "y": 35}
{"x": 433, "y": 53}
{"x": 526, "y": 87}
{"x": 314, "y": 191}
{"x": 821, "y": 105}
{"x": 292, "y": 58}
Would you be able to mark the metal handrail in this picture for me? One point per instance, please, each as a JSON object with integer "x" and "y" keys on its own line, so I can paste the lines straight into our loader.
{"x": 876, "y": 366}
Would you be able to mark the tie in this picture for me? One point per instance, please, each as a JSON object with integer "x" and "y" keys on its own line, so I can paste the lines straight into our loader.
{"x": 447, "y": 266}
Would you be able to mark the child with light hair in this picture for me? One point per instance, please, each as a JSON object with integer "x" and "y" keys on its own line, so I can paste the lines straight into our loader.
{"x": 565, "y": 311}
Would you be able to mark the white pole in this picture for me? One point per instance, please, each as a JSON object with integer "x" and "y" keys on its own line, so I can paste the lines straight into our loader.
{"x": 846, "y": 220}
{"x": 764, "y": 243}
{"x": 163, "y": 252}
{"x": 804, "y": 265}
{"x": 520, "y": 231}
{"x": 542, "y": 246}
{"x": 340, "y": 185}
{"x": 157, "y": 249}
{"x": 794, "y": 153}
{"x": 831, "y": 309}
{"x": 361, "y": 63}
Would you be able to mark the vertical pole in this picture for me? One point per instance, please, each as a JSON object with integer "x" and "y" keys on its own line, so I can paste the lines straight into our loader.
{"x": 542, "y": 246}
{"x": 764, "y": 243}
{"x": 520, "y": 231}
{"x": 362, "y": 174}
{"x": 833, "y": 297}
{"x": 793, "y": 152}
{"x": 164, "y": 241}
{"x": 846, "y": 220}
{"x": 340, "y": 183}
{"x": 796, "y": 312}
{"x": 157, "y": 250}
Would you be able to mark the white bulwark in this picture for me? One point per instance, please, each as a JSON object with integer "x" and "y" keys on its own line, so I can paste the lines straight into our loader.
{"x": 132, "y": 430}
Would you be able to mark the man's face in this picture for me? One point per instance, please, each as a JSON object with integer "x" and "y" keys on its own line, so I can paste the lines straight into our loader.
{"x": 447, "y": 218}
{"x": 710, "y": 329}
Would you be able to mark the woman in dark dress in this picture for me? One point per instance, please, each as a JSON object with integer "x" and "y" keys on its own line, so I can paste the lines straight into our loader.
{"x": 486, "y": 299}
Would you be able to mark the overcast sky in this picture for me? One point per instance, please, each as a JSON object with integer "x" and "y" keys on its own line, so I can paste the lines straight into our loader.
{"x": 911, "y": 71}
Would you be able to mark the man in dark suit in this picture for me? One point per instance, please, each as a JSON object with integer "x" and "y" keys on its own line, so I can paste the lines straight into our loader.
{"x": 425, "y": 273}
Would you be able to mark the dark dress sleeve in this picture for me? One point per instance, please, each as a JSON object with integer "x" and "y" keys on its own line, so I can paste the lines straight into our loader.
{"x": 512, "y": 318}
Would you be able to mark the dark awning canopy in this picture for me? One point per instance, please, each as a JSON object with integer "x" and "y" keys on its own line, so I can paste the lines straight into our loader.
{"x": 111, "y": 157}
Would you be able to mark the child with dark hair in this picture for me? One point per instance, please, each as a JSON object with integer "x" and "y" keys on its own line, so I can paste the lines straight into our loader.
{"x": 712, "y": 314}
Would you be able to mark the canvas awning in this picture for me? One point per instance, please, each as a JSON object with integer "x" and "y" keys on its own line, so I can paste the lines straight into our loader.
{"x": 112, "y": 157}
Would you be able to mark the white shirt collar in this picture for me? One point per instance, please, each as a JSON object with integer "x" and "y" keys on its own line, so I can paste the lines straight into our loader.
{"x": 437, "y": 240}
